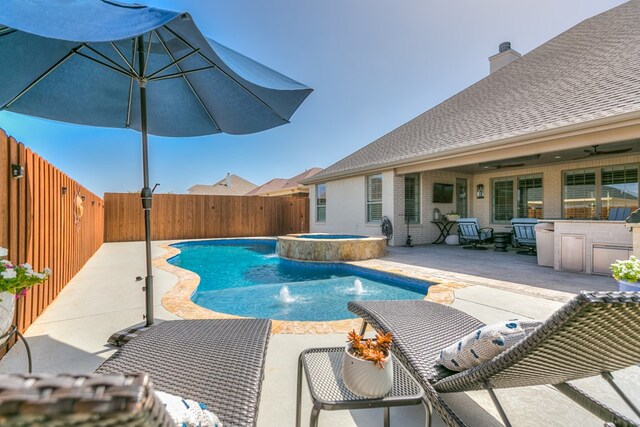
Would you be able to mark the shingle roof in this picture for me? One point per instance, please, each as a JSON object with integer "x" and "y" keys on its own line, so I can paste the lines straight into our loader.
{"x": 281, "y": 184}
{"x": 589, "y": 72}
{"x": 239, "y": 187}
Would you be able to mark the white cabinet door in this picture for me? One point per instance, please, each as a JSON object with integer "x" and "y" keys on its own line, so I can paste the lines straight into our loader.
{"x": 605, "y": 255}
{"x": 572, "y": 252}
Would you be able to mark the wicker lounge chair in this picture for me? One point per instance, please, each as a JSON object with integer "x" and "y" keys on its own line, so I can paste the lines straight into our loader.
{"x": 217, "y": 362}
{"x": 593, "y": 334}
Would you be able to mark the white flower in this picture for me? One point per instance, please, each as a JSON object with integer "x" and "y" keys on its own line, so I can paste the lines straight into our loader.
{"x": 47, "y": 271}
{"x": 40, "y": 275}
{"x": 27, "y": 266}
{"x": 5, "y": 261}
{"x": 4, "y": 251}
{"x": 8, "y": 274}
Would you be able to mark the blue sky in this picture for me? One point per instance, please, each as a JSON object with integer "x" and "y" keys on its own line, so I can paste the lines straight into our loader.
{"x": 373, "y": 65}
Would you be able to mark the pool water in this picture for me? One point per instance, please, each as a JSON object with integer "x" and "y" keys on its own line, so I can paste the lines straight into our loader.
{"x": 245, "y": 278}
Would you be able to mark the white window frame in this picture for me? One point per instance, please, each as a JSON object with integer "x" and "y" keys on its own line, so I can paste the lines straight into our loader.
{"x": 372, "y": 202}
{"x": 321, "y": 205}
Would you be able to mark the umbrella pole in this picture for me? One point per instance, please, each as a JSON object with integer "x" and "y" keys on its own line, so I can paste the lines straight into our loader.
{"x": 146, "y": 193}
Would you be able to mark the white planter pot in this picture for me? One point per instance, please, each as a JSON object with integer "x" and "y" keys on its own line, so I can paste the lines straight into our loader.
{"x": 364, "y": 378}
{"x": 625, "y": 286}
{"x": 7, "y": 308}
{"x": 453, "y": 217}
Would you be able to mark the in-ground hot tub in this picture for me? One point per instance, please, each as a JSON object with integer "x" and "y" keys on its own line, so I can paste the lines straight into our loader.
{"x": 331, "y": 247}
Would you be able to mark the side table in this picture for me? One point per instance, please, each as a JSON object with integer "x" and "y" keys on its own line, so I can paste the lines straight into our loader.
{"x": 500, "y": 241}
{"x": 323, "y": 370}
{"x": 444, "y": 227}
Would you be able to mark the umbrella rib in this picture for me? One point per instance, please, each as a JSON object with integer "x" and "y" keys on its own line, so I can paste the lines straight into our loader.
{"x": 72, "y": 52}
{"x": 146, "y": 58}
{"x": 5, "y": 31}
{"x": 180, "y": 74}
{"x": 204, "y": 107}
{"x": 133, "y": 63}
{"x": 227, "y": 74}
{"x": 126, "y": 61}
{"x": 175, "y": 62}
{"x": 116, "y": 69}
{"x": 120, "y": 67}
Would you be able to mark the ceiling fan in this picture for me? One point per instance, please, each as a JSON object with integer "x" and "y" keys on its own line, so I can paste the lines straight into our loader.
{"x": 595, "y": 152}
{"x": 518, "y": 161}
{"x": 500, "y": 166}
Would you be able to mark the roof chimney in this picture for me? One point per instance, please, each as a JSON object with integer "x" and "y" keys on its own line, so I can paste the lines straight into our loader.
{"x": 505, "y": 56}
{"x": 228, "y": 182}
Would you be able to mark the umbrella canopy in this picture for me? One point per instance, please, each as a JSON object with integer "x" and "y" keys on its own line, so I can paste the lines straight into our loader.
{"x": 78, "y": 62}
{"x": 104, "y": 63}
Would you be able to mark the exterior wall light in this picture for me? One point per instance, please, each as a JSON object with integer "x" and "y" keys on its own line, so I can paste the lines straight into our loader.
{"x": 17, "y": 171}
{"x": 64, "y": 190}
{"x": 480, "y": 191}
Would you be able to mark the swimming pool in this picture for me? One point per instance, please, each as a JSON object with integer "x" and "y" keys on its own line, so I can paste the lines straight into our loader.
{"x": 330, "y": 236}
{"x": 246, "y": 278}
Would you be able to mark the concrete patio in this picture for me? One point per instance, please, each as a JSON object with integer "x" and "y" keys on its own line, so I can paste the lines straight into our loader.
{"x": 70, "y": 335}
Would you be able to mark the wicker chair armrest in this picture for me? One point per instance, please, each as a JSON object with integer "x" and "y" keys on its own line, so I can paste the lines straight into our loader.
{"x": 123, "y": 400}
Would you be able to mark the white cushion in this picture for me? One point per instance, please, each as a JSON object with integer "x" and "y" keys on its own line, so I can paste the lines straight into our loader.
{"x": 484, "y": 344}
{"x": 187, "y": 412}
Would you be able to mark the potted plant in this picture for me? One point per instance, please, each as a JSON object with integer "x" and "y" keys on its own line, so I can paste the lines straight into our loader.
{"x": 14, "y": 282}
{"x": 453, "y": 216}
{"x": 627, "y": 273}
{"x": 367, "y": 368}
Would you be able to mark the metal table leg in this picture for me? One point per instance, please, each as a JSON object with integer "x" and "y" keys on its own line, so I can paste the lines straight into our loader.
{"x": 315, "y": 413}
{"x": 387, "y": 421}
{"x": 299, "y": 392}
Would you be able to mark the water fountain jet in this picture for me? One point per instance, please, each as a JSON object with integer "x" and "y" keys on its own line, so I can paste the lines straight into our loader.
{"x": 285, "y": 296}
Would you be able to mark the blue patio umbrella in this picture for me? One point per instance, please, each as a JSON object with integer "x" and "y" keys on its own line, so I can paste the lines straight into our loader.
{"x": 104, "y": 63}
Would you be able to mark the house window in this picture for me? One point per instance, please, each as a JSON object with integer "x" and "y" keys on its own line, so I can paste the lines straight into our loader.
{"x": 412, "y": 198}
{"x": 530, "y": 196}
{"x": 374, "y": 198}
{"x": 579, "y": 194}
{"x": 517, "y": 197}
{"x": 619, "y": 188}
{"x": 321, "y": 203}
{"x": 502, "y": 200}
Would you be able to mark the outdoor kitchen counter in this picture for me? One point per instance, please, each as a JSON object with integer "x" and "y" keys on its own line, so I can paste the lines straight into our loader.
{"x": 589, "y": 246}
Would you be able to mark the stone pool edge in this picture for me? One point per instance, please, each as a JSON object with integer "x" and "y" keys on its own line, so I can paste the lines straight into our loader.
{"x": 178, "y": 299}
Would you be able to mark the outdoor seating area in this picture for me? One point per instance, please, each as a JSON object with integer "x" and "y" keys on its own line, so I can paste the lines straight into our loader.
{"x": 591, "y": 335}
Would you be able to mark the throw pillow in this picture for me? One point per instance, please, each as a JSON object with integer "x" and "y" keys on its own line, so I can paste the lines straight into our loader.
{"x": 187, "y": 412}
{"x": 484, "y": 344}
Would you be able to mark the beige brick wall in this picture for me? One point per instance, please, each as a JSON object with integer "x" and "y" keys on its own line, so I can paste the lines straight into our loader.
{"x": 636, "y": 239}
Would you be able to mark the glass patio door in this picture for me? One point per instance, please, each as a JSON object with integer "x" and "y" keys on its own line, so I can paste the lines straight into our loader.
{"x": 462, "y": 197}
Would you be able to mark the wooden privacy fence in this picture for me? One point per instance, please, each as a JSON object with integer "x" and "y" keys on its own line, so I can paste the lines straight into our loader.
{"x": 185, "y": 216}
{"x": 46, "y": 219}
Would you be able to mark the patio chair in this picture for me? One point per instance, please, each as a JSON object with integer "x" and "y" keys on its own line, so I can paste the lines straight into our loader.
{"x": 469, "y": 231}
{"x": 524, "y": 233}
{"x": 217, "y": 362}
{"x": 618, "y": 214}
{"x": 593, "y": 334}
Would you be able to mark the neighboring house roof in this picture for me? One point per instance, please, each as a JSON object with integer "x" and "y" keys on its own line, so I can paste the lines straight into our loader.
{"x": 238, "y": 187}
{"x": 589, "y": 72}
{"x": 282, "y": 186}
